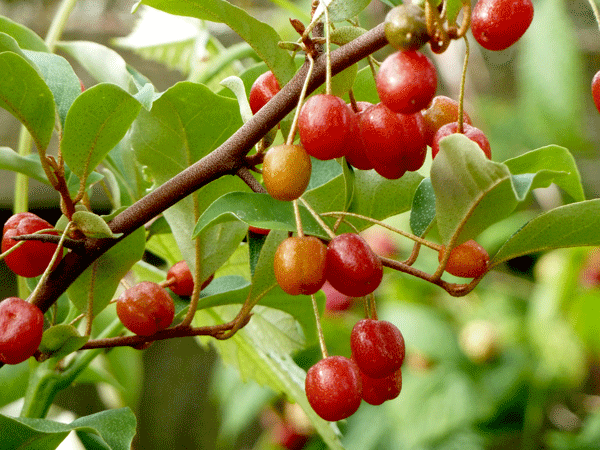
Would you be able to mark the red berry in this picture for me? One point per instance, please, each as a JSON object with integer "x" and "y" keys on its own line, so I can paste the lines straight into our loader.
{"x": 286, "y": 171}
{"x": 475, "y": 134}
{"x": 145, "y": 308}
{"x": 325, "y": 125}
{"x": 32, "y": 257}
{"x": 375, "y": 391}
{"x": 377, "y": 347}
{"x": 334, "y": 299}
{"x": 468, "y": 260}
{"x": 394, "y": 142}
{"x": 333, "y": 388}
{"x": 256, "y": 230}
{"x": 498, "y": 24}
{"x": 263, "y": 89}
{"x": 356, "y": 152}
{"x": 21, "y": 328}
{"x": 406, "y": 82}
{"x": 300, "y": 265}
{"x": 352, "y": 267}
{"x": 596, "y": 90}
{"x": 184, "y": 281}
{"x": 441, "y": 111}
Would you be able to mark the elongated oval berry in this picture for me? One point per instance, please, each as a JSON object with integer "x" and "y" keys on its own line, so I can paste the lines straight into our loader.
{"x": 286, "y": 171}
{"x": 473, "y": 133}
{"x": 300, "y": 265}
{"x": 351, "y": 266}
{"x": 375, "y": 391}
{"x": 377, "y": 347}
{"x": 334, "y": 387}
{"x": 406, "y": 82}
{"x": 498, "y": 24}
{"x": 21, "y": 329}
{"x": 145, "y": 308}
{"x": 263, "y": 89}
{"x": 325, "y": 125}
{"x": 467, "y": 260}
{"x": 32, "y": 257}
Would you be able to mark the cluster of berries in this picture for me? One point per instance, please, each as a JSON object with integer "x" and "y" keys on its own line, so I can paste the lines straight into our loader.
{"x": 336, "y": 385}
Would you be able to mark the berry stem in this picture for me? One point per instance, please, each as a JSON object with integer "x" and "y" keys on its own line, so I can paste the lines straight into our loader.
{"x": 187, "y": 320}
{"x": 299, "y": 227}
{"x": 389, "y": 227}
{"x": 290, "y": 138}
{"x": 319, "y": 328}
{"x": 327, "y": 52}
{"x": 373, "y": 306}
{"x": 461, "y": 97}
{"x": 318, "y": 218}
{"x": 90, "y": 305}
{"x": 353, "y": 100}
{"x": 46, "y": 273}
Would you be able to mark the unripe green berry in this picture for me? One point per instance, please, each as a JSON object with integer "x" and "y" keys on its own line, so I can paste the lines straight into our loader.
{"x": 405, "y": 27}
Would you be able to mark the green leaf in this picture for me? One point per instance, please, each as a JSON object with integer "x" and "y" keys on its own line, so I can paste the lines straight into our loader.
{"x": 103, "y": 63}
{"x": 9, "y": 44}
{"x": 13, "y": 379}
{"x": 96, "y": 122}
{"x": 473, "y": 192}
{"x": 115, "y": 427}
{"x": 27, "y": 165}
{"x": 573, "y": 225}
{"x": 100, "y": 281}
{"x": 59, "y": 77}
{"x": 92, "y": 225}
{"x": 60, "y": 340}
{"x": 340, "y": 10}
{"x": 422, "y": 213}
{"x": 258, "y": 210}
{"x": 186, "y": 123}
{"x": 550, "y": 158}
{"x": 26, "y": 96}
{"x": 167, "y": 39}
{"x": 261, "y": 351}
{"x": 261, "y": 37}
{"x": 380, "y": 198}
{"x": 25, "y": 37}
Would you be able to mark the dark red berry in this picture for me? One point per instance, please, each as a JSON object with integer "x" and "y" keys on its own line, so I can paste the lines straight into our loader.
{"x": 441, "y": 111}
{"x": 263, "y": 89}
{"x": 475, "y": 134}
{"x": 300, "y": 265}
{"x": 375, "y": 391}
{"x": 406, "y": 82}
{"x": 352, "y": 267}
{"x": 32, "y": 257}
{"x": 498, "y": 24}
{"x": 21, "y": 328}
{"x": 377, "y": 347}
{"x": 468, "y": 260}
{"x": 184, "y": 281}
{"x": 596, "y": 90}
{"x": 394, "y": 143}
{"x": 325, "y": 125}
{"x": 356, "y": 153}
{"x": 145, "y": 308}
{"x": 334, "y": 387}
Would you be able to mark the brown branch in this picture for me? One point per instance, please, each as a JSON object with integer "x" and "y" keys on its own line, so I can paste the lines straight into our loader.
{"x": 225, "y": 160}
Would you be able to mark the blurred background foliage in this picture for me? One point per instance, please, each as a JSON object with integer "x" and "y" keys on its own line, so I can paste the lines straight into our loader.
{"x": 513, "y": 365}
